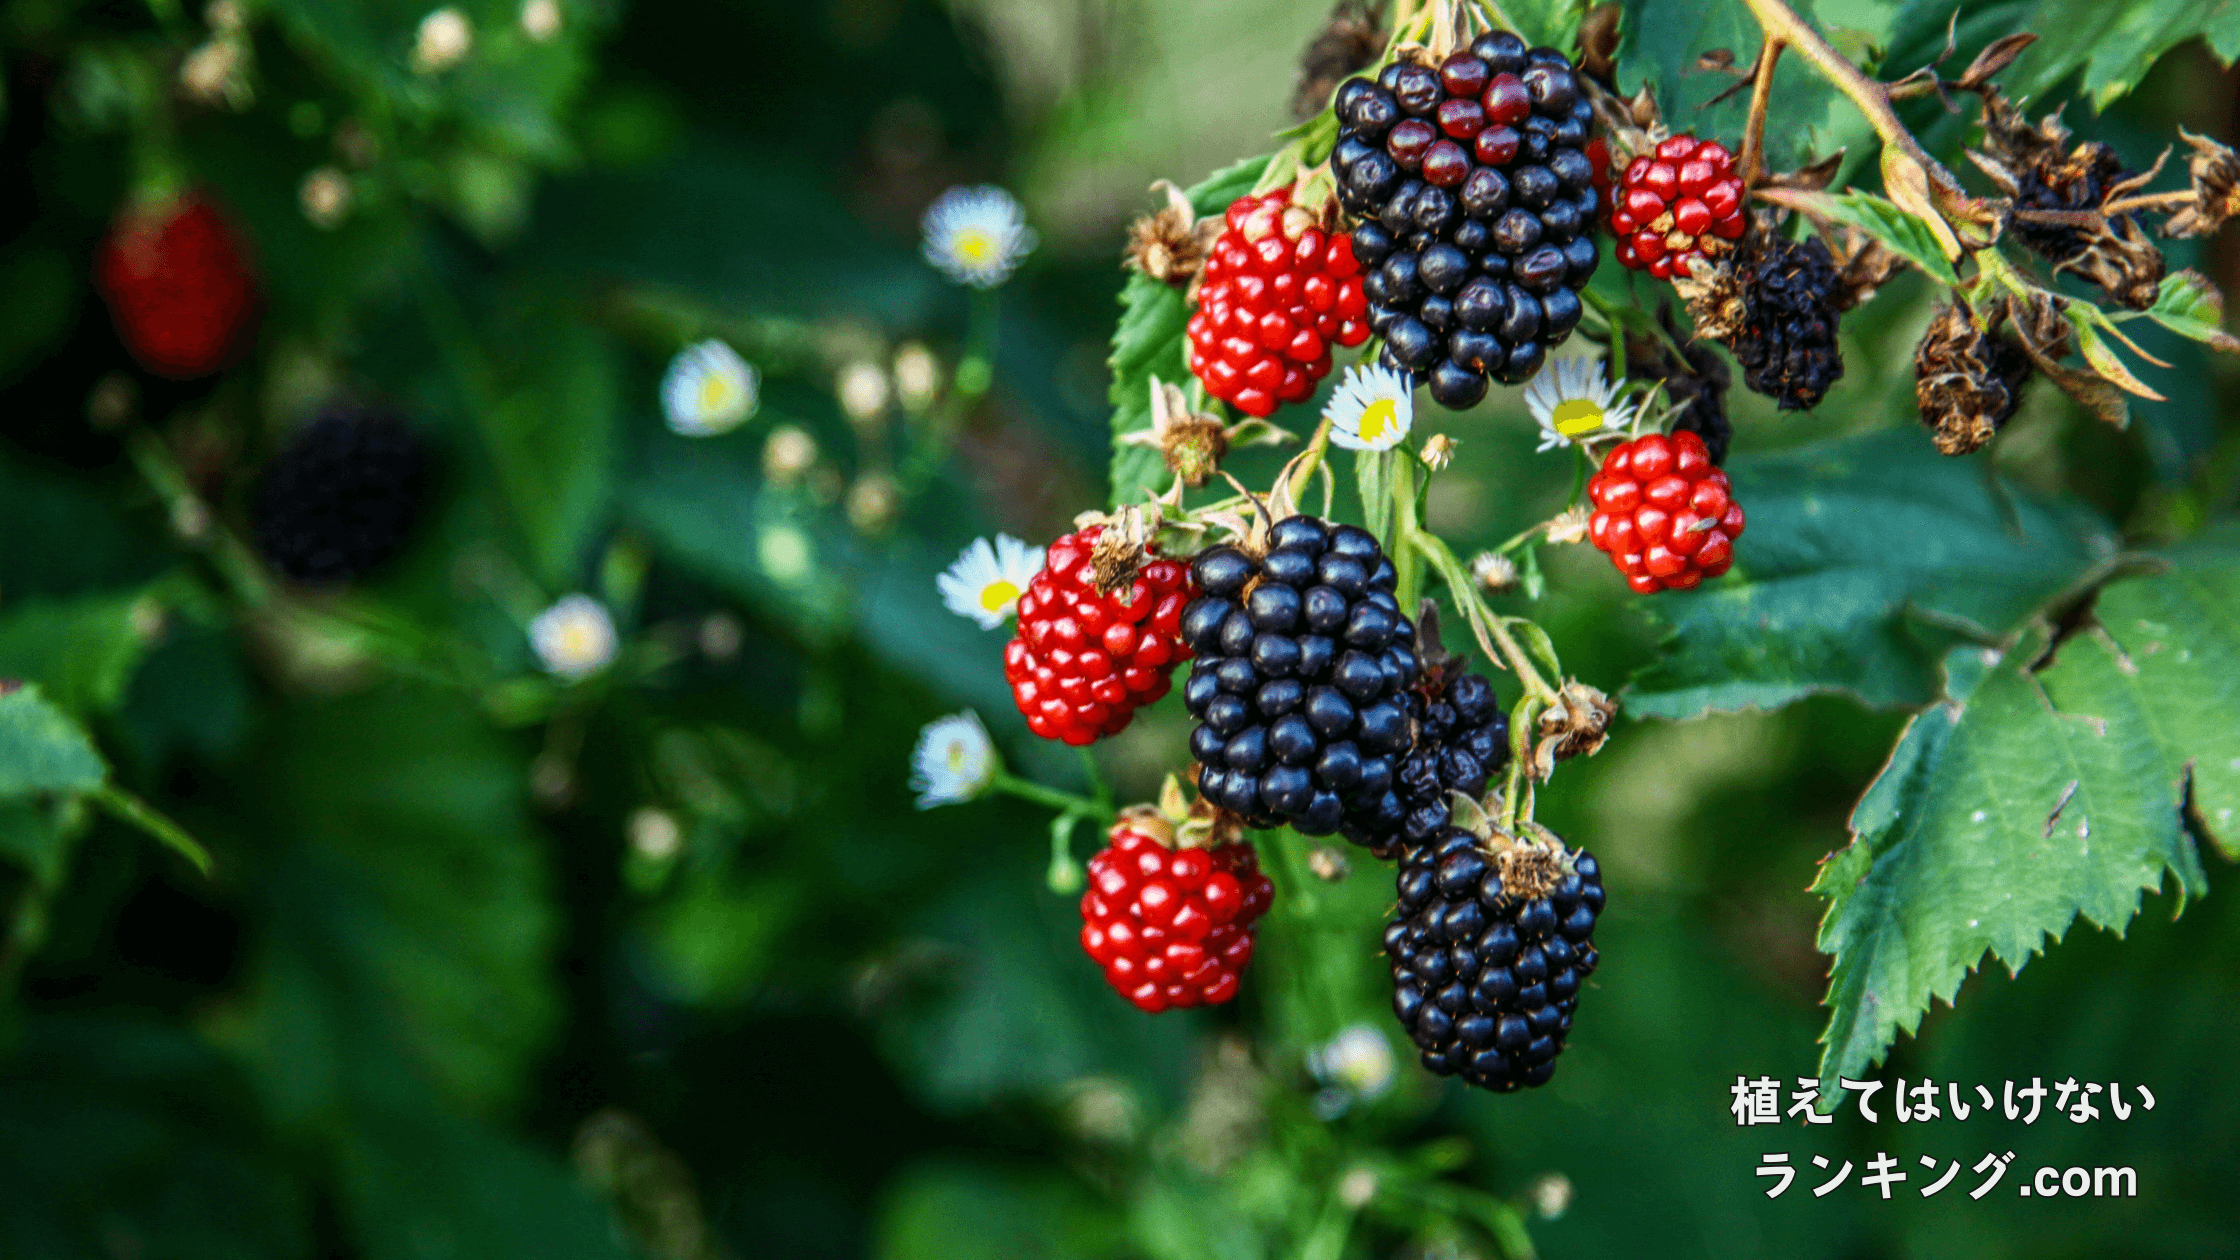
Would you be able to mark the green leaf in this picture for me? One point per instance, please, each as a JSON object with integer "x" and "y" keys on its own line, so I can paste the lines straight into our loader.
{"x": 552, "y": 437}
{"x": 1885, "y": 221}
{"x": 2042, "y": 787}
{"x": 82, "y": 651}
{"x": 2190, "y": 306}
{"x": 1658, "y": 43}
{"x": 42, "y": 750}
{"x": 950, "y": 1211}
{"x": 1861, "y": 562}
{"x": 419, "y": 1185}
{"x": 2113, "y": 42}
{"x": 1148, "y": 343}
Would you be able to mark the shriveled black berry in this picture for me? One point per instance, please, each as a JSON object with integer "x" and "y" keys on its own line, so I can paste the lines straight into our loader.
{"x": 1489, "y": 951}
{"x": 1786, "y": 341}
{"x": 342, "y": 498}
{"x": 1301, "y": 684}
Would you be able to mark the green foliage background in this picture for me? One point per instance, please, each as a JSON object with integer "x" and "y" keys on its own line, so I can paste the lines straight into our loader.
{"x": 429, "y": 1001}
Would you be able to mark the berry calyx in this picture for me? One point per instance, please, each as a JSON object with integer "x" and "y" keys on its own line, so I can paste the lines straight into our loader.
{"x": 1099, "y": 633}
{"x": 1664, "y": 513}
{"x": 1171, "y": 924}
{"x": 1280, "y": 290}
{"x": 1681, "y": 202}
{"x": 178, "y": 285}
{"x": 1493, "y": 938}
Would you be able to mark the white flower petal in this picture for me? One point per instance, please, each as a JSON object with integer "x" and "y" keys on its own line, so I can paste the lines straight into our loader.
{"x": 986, "y": 580}
{"x": 709, "y": 389}
{"x": 574, "y": 638}
{"x": 977, "y": 236}
{"x": 1372, "y": 409}
{"x": 954, "y": 761}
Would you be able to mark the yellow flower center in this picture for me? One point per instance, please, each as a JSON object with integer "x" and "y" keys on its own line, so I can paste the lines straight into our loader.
{"x": 715, "y": 393}
{"x": 1378, "y": 419}
{"x": 1577, "y": 416}
{"x": 958, "y": 755}
{"x": 998, "y": 593}
{"x": 974, "y": 245}
{"x": 578, "y": 642}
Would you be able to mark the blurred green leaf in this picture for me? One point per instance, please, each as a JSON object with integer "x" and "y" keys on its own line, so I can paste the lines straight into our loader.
{"x": 1658, "y": 44}
{"x": 950, "y": 1211}
{"x": 1148, "y": 343}
{"x": 552, "y": 437}
{"x": 2037, "y": 790}
{"x": 34, "y": 837}
{"x": 425, "y": 1186}
{"x": 82, "y": 651}
{"x": 1862, "y": 561}
{"x": 42, "y": 750}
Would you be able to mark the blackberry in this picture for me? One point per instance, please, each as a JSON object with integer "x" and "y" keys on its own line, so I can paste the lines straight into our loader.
{"x": 1489, "y": 948}
{"x": 1461, "y": 741}
{"x": 1300, "y": 685}
{"x": 341, "y": 498}
{"x": 1786, "y": 341}
{"x": 1474, "y": 198}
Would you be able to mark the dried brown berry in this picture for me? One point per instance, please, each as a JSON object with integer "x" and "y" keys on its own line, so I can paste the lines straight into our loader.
{"x": 1967, "y": 379}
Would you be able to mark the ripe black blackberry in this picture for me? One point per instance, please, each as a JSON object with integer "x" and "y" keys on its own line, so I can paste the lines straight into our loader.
{"x": 1476, "y": 207}
{"x": 1462, "y": 740}
{"x": 1300, "y": 682}
{"x": 1490, "y": 945}
{"x": 1786, "y": 341}
{"x": 341, "y": 498}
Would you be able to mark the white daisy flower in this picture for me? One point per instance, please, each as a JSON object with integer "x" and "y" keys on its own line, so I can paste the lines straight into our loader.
{"x": 1574, "y": 402}
{"x": 709, "y": 389}
{"x": 954, "y": 761}
{"x": 574, "y": 638}
{"x": 1358, "y": 1060}
{"x": 444, "y": 39}
{"x": 977, "y": 236}
{"x": 1372, "y": 410}
{"x": 986, "y": 581}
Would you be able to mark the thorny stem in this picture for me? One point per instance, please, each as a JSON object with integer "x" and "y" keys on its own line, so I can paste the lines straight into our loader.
{"x": 1761, "y": 95}
{"x": 2173, "y": 200}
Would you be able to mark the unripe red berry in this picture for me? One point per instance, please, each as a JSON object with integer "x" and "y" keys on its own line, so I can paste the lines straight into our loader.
{"x": 1664, "y": 514}
{"x": 178, "y": 286}
{"x": 1677, "y": 203}
{"x": 1171, "y": 927}
{"x": 1280, "y": 291}
{"x": 1084, "y": 660}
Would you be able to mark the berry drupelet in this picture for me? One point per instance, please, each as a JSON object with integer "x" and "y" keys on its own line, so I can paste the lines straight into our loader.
{"x": 1786, "y": 342}
{"x": 1476, "y": 200}
{"x": 1171, "y": 926}
{"x": 341, "y": 498}
{"x": 1462, "y": 740}
{"x": 1098, "y": 636}
{"x": 1489, "y": 947}
{"x": 1280, "y": 290}
{"x": 1301, "y": 681}
{"x": 1664, "y": 513}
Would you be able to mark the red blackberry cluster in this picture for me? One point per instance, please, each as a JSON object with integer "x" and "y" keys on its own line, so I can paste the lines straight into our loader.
{"x": 1090, "y": 652}
{"x": 1681, "y": 202}
{"x": 1663, "y": 513}
{"x": 1279, "y": 291}
{"x": 1488, "y": 952}
{"x": 178, "y": 285}
{"x": 341, "y": 498}
{"x": 1477, "y": 198}
{"x": 1171, "y": 927}
{"x": 1301, "y": 683}
{"x": 1786, "y": 342}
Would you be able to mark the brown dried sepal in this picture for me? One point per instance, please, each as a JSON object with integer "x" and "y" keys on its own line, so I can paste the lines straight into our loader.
{"x": 1574, "y": 726}
{"x": 2059, "y": 196}
{"x": 1967, "y": 379}
{"x": 1123, "y": 545}
{"x": 2216, "y": 188}
{"x": 2044, "y": 335}
{"x": 1714, "y": 293}
{"x": 1348, "y": 42}
{"x": 1532, "y": 862}
{"x": 1170, "y": 244}
{"x": 1151, "y": 822}
{"x": 1863, "y": 266}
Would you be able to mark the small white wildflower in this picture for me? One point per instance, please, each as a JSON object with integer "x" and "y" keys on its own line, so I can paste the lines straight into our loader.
{"x": 786, "y": 553}
{"x": 574, "y": 638}
{"x": 873, "y": 502}
{"x": 1372, "y": 410}
{"x": 977, "y": 236}
{"x": 216, "y": 73}
{"x": 325, "y": 194}
{"x": 1573, "y": 402}
{"x": 986, "y": 581}
{"x": 1551, "y": 1196}
{"x": 443, "y": 41}
{"x": 863, "y": 390}
{"x": 654, "y": 833}
{"x": 540, "y": 19}
{"x": 954, "y": 761}
{"x": 788, "y": 453}
{"x": 709, "y": 390}
{"x": 917, "y": 376}
{"x": 1358, "y": 1059}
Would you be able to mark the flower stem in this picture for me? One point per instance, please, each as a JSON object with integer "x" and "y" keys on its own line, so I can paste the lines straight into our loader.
{"x": 1028, "y": 790}
{"x": 1405, "y": 559}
